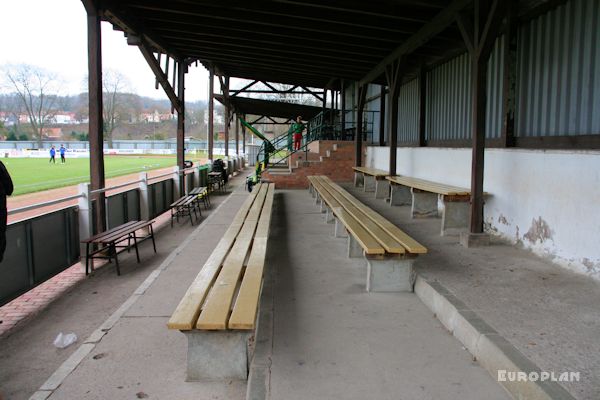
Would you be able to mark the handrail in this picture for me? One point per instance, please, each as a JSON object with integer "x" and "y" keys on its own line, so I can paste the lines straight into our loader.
{"x": 44, "y": 204}
{"x": 106, "y": 189}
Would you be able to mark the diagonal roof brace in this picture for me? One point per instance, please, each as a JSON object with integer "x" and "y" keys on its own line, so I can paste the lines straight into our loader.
{"x": 161, "y": 77}
{"x": 437, "y": 24}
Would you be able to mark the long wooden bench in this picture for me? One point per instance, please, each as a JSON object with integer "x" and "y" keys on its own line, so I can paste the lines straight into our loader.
{"x": 373, "y": 180}
{"x": 218, "y": 312}
{"x": 422, "y": 195}
{"x": 109, "y": 241}
{"x": 389, "y": 251}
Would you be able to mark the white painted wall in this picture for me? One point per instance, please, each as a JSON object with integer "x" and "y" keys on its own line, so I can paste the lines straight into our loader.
{"x": 546, "y": 200}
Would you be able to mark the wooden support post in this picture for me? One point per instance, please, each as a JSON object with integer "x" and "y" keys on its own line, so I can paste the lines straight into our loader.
{"x": 96, "y": 128}
{"x": 227, "y": 114}
{"x": 361, "y": 96}
{"x": 382, "y": 116}
{"x": 237, "y": 135}
{"x": 211, "y": 111}
{"x": 422, "y": 106}
{"x": 244, "y": 136}
{"x": 181, "y": 123}
{"x": 479, "y": 32}
{"x": 393, "y": 74}
{"x": 343, "y": 108}
{"x": 509, "y": 78}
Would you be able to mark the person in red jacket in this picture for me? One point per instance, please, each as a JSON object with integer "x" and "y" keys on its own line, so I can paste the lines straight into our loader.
{"x": 6, "y": 189}
{"x": 297, "y": 129}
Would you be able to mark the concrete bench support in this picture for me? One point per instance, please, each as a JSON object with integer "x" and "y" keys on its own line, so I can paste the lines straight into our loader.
{"x": 354, "y": 248}
{"x": 424, "y": 204}
{"x": 455, "y": 217}
{"x": 369, "y": 183}
{"x": 390, "y": 274}
{"x": 217, "y": 355}
{"x": 340, "y": 230}
{"x": 400, "y": 195}
{"x": 382, "y": 188}
{"x": 329, "y": 217}
{"x": 359, "y": 179}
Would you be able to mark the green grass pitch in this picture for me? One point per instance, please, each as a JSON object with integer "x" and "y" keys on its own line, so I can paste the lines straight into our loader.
{"x": 36, "y": 174}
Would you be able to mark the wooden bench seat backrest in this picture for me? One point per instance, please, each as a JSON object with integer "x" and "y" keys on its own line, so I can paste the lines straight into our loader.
{"x": 390, "y": 244}
{"x": 410, "y": 244}
{"x": 185, "y": 315}
{"x": 371, "y": 171}
{"x": 130, "y": 228}
{"x": 119, "y": 228}
{"x": 217, "y": 306}
{"x": 245, "y": 308}
{"x": 429, "y": 186}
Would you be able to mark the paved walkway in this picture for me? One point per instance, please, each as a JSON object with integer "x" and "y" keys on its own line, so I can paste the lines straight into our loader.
{"x": 549, "y": 314}
{"x": 330, "y": 339}
{"x": 333, "y": 340}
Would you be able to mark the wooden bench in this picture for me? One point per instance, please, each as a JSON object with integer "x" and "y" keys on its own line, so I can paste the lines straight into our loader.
{"x": 218, "y": 312}
{"x": 188, "y": 204}
{"x": 423, "y": 195}
{"x": 373, "y": 180}
{"x": 109, "y": 241}
{"x": 389, "y": 251}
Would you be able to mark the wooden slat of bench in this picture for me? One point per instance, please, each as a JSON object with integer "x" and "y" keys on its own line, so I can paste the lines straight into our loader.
{"x": 110, "y": 231}
{"x": 410, "y": 244}
{"x": 185, "y": 315}
{"x": 371, "y": 171}
{"x": 329, "y": 199}
{"x": 429, "y": 186}
{"x": 123, "y": 232}
{"x": 262, "y": 230}
{"x": 215, "y": 311}
{"x": 369, "y": 244}
{"x": 389, "y": 243}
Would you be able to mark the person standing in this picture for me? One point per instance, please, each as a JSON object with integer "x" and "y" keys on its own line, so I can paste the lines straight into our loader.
{"x": 62, "y": 151}
{"x": 52, "y": 155}
{"x": 6, "y": 189}
{"x": 297, "y": 129}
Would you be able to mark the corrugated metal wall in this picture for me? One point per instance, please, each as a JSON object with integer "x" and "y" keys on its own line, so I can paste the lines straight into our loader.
{"x": 408, "y": 112}
{"x": 558, "y": 72}
{"x": 493, "y": 113}
{"x": 373, "y": 106}
{"x": 448, "y": 104}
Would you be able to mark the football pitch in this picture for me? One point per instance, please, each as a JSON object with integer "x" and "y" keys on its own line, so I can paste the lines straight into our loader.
{"x": 36, "y": 174}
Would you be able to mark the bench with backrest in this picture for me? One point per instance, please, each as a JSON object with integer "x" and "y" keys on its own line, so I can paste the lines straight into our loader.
{"x": 389, "y": 251}
{"x": 422, "y": 195}
{"x": 108, "y": 242}
{"x": 373, "y": 180}
{"x": 188, "y": 204}
{"x": 218, "y": 313}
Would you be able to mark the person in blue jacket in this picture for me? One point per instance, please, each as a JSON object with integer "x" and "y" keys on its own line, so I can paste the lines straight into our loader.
{"x": 62, "y": 151}
{"x": 52, "y": 155}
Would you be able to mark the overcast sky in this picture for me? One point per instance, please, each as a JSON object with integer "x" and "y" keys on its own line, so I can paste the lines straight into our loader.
{"x": 53, "y": 35}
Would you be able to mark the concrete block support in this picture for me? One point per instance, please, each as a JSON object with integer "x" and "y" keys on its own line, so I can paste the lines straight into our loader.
{"x": 390, "y": 274}
{"x": 382, "y": 189}
{"x": 354, "y": 248}
{"x": 329, "y": 217}
{"x": 400, "y": 195}
{"x": 455, "y": 217}
{"x": 340, "y": 230}
{"x": 424, "y": 204}
{"x": 369, "y": 183}
{"x": 217, "y": 355}
{"x": 359, "y": 179}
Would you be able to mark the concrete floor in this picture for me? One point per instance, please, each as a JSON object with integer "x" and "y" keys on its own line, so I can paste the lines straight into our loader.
{"x": 548, "y": 313}
{"x": 28, "y": 357}
{"x": 333, "y": 340}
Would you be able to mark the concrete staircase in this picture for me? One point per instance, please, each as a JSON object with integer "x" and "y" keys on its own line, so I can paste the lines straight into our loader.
{"x": 325, "y": 157}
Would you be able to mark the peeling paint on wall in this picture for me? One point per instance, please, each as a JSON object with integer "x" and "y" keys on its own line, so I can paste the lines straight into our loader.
{"x": 539, "y": 231}
{"x": 502, "y": 220}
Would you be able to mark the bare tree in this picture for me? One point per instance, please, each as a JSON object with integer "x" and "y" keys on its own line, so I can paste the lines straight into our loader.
{"x": 37, "y": 90}
{"x": 115, "y": 105}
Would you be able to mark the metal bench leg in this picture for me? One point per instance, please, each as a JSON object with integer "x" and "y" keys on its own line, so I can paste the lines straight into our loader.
{"x": 135, "y": 244}
{"x": 189, "y": 210}
{"x": 152, "y": 236}
{"x": 113, "y": 250}
{"x": 87, "y": 257}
